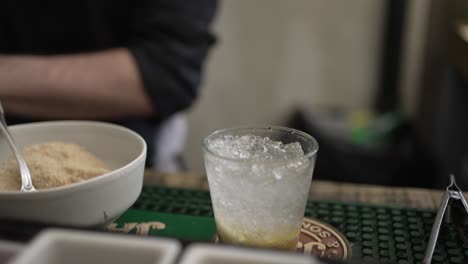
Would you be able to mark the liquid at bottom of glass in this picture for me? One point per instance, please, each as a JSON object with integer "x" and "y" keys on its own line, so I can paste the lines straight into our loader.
{"x": 280, "y": 240}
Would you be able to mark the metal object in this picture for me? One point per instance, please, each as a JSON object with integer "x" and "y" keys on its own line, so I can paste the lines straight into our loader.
{"x": 26, "y": 181}
{"x": 452, "y": 192}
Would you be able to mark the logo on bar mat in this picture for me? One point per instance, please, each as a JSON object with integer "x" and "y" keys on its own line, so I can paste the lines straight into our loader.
{"x": 143, "y": 229}
{"x": 323, "y": 241}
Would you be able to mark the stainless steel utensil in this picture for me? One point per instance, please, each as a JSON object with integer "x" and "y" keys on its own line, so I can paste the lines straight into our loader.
{"x": 26, "y": 181}
{"x": 452, "y": 192}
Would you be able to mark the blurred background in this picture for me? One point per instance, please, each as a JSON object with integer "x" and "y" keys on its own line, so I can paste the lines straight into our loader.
{"x": 379, "y": 83}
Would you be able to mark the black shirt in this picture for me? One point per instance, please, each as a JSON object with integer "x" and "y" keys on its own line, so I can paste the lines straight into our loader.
{"x": 169, "y": 39}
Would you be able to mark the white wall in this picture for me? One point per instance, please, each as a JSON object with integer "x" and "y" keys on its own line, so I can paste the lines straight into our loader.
{"x": 273, "y": 55}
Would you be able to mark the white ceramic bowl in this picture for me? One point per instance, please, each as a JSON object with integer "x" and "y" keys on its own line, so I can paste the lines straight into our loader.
{"x": 89, "y": 203}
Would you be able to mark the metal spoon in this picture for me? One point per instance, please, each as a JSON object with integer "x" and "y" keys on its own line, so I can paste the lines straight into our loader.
{"x": 26, "y": 181}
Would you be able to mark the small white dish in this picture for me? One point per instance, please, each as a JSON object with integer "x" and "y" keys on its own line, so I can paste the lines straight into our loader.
{"x": 223, "y": 254}
{"x": 56, "y": 246}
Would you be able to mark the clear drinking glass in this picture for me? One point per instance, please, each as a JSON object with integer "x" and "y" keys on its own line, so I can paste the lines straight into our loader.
{"x": 260, "y": 203}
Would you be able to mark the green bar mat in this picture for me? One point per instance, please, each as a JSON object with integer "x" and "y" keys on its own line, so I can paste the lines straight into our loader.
{"x": 386, "y": 234}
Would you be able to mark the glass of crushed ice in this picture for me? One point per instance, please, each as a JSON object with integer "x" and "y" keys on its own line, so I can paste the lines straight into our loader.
{"x": 259, "y": 179}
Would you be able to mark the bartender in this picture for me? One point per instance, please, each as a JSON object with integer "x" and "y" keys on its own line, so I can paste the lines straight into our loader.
{"x": 134, "y": 63}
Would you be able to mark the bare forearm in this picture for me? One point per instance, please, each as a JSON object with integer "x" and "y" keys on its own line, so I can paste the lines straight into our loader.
{"x": 97, "y": 85}
{"x": 49, "y": 109}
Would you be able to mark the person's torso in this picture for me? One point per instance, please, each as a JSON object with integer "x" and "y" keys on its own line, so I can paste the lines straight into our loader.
{"x": 54, "y": 26}
{"x": 64, "y": 27}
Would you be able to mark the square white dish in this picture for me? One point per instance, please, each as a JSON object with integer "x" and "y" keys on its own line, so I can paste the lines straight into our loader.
{"x": 55, "y": 246}
{"x": 216, "y": 254}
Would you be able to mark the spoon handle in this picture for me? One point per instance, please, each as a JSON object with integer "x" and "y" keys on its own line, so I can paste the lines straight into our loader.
{"x": 26, "y": 182}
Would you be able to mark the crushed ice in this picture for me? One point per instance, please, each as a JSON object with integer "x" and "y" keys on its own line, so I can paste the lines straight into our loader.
{"x": 252, "y": 147}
